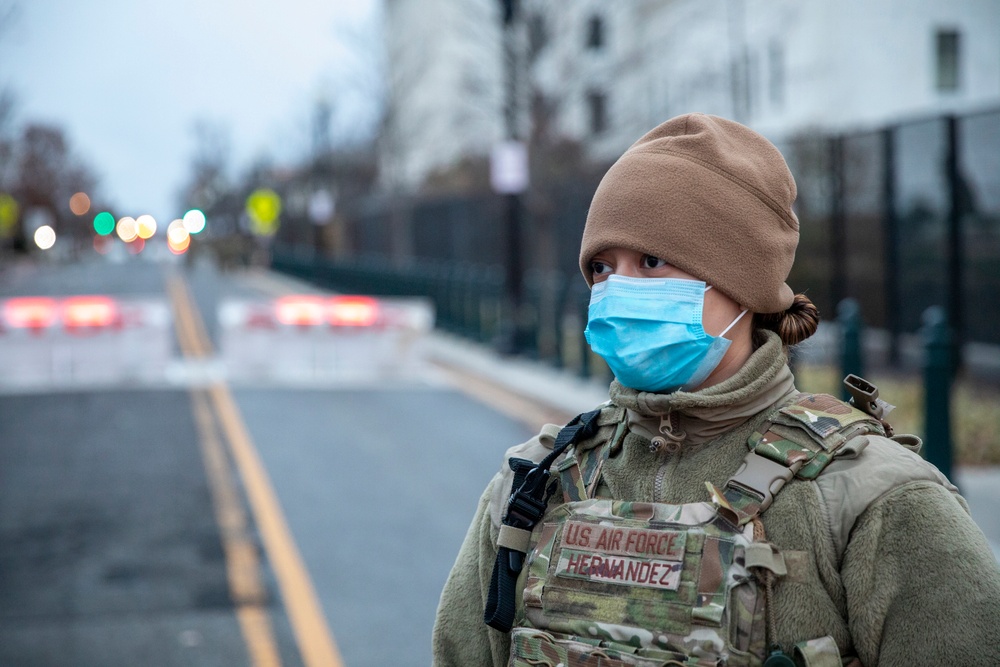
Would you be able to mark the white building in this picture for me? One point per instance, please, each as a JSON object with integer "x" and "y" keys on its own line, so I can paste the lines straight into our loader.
{"x": 609, "y": 71}
{"x": 444, "y": 100}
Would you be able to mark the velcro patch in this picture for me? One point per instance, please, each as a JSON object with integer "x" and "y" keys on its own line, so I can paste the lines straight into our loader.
{"x": 823, "y": 414}
{"x": 646, "y": 572}
{"x": 624, "y": 541}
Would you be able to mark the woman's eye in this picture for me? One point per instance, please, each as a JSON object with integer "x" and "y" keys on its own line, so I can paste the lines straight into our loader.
{"x": 599, "y": 268}
{"x": 650, "y": 262}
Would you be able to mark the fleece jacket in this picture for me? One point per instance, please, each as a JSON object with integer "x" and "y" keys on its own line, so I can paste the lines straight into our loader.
{"x": 881, "y": 551}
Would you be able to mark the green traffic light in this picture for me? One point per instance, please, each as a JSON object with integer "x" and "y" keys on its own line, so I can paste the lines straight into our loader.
{"x": 104, "y": 223}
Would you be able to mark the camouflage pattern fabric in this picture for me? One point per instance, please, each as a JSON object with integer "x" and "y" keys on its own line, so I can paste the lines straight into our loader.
{"x": 623, "y": 583}
{"x": 580, "y": 471}
{"x": 532, "y": 648}
{"x": 611, "y": 583}
{"x": 736, "y": 504}
{"x": 822, "y": 652}
{"x": 810, "y": 431}
{"x": 804, "y": 437}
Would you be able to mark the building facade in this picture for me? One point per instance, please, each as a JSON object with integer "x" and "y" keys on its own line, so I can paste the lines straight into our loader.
{"x": 444, "y": 98}
{"x": 602, "y": 73}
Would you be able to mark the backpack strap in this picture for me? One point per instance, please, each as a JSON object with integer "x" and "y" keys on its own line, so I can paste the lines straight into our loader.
{"x": 800, "y": 440}
{"x": 580, "y": 471}
{"x": 524, "y": 509}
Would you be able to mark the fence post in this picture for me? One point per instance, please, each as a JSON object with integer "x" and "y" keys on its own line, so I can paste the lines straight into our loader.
{"x": 890, "y": 243}
{"x": 955, "y": 243}
{"x": 838, "y": 221}
{"x": 491, "y": 308}
{"x": 851, "y": 354}
{"x": 937, "y": 388}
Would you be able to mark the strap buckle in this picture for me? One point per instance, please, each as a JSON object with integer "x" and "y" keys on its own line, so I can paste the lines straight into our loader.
{"x": 527, "y": 504}
{"x": 525, "y": 508}
{"x": 763, "y": 477}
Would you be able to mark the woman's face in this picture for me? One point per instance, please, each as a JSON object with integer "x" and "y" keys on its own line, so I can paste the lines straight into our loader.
{"x": 719, "y": 311}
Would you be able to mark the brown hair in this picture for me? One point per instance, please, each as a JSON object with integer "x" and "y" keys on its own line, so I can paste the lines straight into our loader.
{"x": 793, "y": 325}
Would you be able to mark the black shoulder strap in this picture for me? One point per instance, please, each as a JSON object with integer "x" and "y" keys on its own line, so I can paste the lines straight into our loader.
{"x": 524, "y": 509}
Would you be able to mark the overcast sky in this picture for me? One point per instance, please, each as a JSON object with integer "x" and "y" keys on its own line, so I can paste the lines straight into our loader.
{"x": 127, "y": 79}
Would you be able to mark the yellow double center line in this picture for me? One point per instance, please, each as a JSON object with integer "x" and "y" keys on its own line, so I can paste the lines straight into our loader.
{"x": 315, "y": 642}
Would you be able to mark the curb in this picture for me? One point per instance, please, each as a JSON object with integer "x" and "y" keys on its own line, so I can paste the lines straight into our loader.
{"x": 559, "y": 391}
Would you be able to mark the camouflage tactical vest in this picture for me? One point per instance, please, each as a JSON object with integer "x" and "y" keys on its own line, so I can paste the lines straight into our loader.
{"x": 612, "y": 583}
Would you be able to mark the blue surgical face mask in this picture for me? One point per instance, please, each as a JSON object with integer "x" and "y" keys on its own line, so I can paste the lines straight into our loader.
{"x": 649, "y": 332}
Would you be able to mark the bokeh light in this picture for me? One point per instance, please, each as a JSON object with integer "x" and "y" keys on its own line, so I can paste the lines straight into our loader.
{"x": 352, "y": 311}
{"x": 176, "y": 231}
{"x": 79, "y": 203}
{"x": 194, "y": 221}
{"x": 45, "y": 237}
{"x": 90, "y": 311}
{"x": 145, "y": 226}
{"x": 263, "y": 207}
{"x": 8, "y": 215}
{"x": 127, "y": 229}
{"x": 104, "y": 223}
{"x": 102, "y": 244}
{"x": 179, "y": 246}
{"x": 136, "y": 246}
{"x": 178, "y": 238}
{"x": 30, "y": 312}
{"x": 300, "y": 310}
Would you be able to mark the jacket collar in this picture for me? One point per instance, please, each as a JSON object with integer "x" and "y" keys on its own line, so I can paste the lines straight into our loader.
{"x": 696, "y": 417}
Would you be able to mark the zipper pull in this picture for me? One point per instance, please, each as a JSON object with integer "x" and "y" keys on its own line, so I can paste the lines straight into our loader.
{"x": 670, "y": 436}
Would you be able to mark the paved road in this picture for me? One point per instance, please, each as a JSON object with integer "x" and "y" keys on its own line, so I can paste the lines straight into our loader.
{"x": 379, "y": 486}
{"x": 109, "y": 550}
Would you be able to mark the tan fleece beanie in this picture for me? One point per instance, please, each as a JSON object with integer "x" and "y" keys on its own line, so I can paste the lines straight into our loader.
{"x": 708, "y": 195}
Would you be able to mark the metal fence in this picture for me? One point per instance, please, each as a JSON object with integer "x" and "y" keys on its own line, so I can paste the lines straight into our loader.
{"x": 899, "y": 219}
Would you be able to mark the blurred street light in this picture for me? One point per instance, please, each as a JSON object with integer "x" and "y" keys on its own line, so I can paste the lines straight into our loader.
{"x": 45, "y": 237}
{"x": 104, "y": 223}
{"x": 178, "y": 237}
{"x": 145, "y": 226}
{"x": 79, "y": 203}
{"x": 127, "y": 229}
{"x": 194, "y": 221}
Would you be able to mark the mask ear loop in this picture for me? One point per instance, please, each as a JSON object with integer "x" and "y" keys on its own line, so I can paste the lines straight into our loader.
{"x": 733, "y": 323}
{"x": 738, "y": 318}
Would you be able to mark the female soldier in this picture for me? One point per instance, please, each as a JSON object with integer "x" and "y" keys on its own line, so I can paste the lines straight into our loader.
{"x": 710, "y": 514}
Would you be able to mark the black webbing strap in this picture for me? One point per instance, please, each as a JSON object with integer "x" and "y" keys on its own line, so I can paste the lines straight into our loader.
{"x": 528, "y": 500}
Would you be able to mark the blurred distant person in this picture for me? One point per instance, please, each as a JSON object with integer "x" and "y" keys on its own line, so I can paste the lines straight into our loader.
{"x": 709, "y": 513}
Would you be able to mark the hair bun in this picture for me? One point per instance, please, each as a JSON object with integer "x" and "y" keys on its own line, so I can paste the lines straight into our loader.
{"x": 793, "y": 325}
